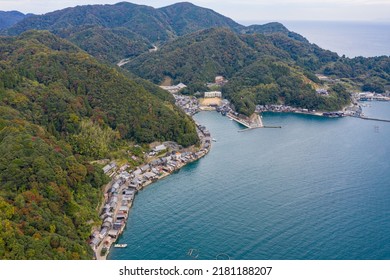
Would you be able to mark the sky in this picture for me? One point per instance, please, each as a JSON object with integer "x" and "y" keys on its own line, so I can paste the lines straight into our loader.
{"x": 243, "y": 11}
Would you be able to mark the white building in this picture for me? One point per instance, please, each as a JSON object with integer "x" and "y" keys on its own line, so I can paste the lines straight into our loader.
{"x": 212, "y": 94}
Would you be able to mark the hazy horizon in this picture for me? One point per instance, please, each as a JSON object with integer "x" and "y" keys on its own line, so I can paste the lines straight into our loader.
{"x": 244, "y": 11}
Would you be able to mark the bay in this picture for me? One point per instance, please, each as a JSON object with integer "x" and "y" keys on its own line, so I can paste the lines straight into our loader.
{"x": 317, "y": 188}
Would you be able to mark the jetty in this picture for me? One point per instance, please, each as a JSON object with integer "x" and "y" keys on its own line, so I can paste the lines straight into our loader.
{"x": 250, "y": 123}
{"x": 374, "y": 119}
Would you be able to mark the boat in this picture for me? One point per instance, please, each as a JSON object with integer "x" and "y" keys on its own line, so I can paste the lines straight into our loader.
{"x": 120, "y": 245}
{"x": 214, "y": 140}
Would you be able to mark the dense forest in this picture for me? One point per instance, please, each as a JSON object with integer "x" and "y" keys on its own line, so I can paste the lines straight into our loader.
{"x": 60, "y": 109}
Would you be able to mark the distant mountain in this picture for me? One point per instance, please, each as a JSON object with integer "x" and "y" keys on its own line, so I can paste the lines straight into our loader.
{"x": 185, "y": 18}
{"x": 114, "y": 32}
{"x": 273, "y": 28}
{"x": 7, "y": 19}
{"x": 202, "y": 55}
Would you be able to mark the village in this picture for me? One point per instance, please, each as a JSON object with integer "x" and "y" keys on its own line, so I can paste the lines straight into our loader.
{"x": 120, "y": 193}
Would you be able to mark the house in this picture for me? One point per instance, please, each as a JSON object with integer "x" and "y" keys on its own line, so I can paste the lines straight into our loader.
{"x": 219, "y": 79}
{"x": 125, "y": 176}
{"x": 156, "y": 162}
{"x": 107, "y": 225}
{"x": 150, "y": 176}
{"x": 109, "y": 220}
{"x": 113, "y": 233}
{"x": 206, "y": 133}
{"x": 103, "y": 232}
{"x": 156, "y": 171}
{"x": 159, "y": 148}
{"x": 95, "y": 242}
{"x": 176, "y": 156}
{"x": 145, "y": 168}
{"x": 322, "y": 91}
{"x": 109, "y": 167}
{"x": 137, "y": 172}
{"x": 117, "y": 225}
{"x": 121, "y": 217}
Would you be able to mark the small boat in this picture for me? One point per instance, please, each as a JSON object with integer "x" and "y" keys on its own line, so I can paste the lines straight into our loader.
{"x": 214, "y": 140}
{"x": 120, "y": 245}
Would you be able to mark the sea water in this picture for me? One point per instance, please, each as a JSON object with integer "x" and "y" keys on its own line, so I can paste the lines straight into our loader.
{"x": 317, "y": 188}
{"x": 346, "y": 38}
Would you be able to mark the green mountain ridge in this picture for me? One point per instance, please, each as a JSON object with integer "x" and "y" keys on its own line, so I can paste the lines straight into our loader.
{"x": 7, "y": 19}
{"x": 146, "y": 25}
{"x": 250, "y": 62}
{"x": 60, "y": 109}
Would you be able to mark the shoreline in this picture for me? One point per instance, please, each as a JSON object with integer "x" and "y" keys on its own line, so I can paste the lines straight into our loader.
{"x": 120, "y": 193}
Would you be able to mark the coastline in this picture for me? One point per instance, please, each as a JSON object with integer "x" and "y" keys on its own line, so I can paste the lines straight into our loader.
{"x": 120, "y": 193}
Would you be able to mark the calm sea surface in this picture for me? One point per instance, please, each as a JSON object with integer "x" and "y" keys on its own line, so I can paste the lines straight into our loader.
{"x": 317, "y": 188}
{"x": 346, "y": 38}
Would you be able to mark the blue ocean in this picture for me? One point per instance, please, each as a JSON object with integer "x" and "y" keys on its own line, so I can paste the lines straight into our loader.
{"x": 317, "y": 188}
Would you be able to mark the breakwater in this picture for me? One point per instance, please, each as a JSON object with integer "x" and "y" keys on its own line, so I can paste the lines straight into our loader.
{"x": 374, "y": 119}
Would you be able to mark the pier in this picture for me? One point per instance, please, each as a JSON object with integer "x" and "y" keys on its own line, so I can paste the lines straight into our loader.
{"x": 374, "y": 119}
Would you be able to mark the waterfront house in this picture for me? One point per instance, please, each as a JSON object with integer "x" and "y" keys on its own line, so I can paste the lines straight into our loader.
{"x": 150, "y": 176}
{"x": 129, "y": 192}
{"x": 206, "y": 133}
{"x": 124, "y": 209}
{"x": 113, "y": 233}
{"x": 117, "y": 225}
{"x": 121, "y": 217}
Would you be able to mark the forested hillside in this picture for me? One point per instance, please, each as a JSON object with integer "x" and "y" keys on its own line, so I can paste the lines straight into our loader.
{"x": 114, "y": 32}
{"x": 7, "y": 19}
{"x": 268, "y": 68}
{"x": 60, "y": 109}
